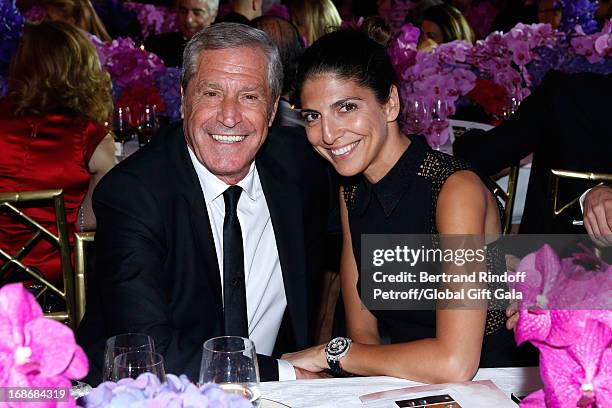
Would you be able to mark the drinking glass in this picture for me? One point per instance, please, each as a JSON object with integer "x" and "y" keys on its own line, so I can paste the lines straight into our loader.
{"x": 134, "y": 363}
{"x": 439, "y": 123}
{"x": 120, "y": 344}
{"x": 122, "y": 124}
{"x": 416, "y": 113}
{"x": 231, "y": 363}
{"x": 148, "y": 124}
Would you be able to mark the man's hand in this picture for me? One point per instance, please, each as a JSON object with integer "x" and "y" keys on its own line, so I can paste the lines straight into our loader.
{"x": 598, "y": 215}
{"x": 312, "y": 359}
{"x": 302, "y": 374}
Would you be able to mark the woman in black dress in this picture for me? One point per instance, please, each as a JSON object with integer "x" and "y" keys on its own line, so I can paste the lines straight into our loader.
{"x": 393, "y": 184}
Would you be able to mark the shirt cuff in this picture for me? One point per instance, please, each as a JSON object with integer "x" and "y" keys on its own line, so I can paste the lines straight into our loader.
{"x": 581, "y": 199}
{"x": 286, "y": 372}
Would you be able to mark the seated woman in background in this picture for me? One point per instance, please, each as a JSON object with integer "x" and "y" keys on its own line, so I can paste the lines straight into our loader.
{"x": 53, "y": 134}
{"x": 443, "y": 23}
{"x": 394, "y": 184}
{"x": 79, "y": 13}
{"x": 314, "y": 18}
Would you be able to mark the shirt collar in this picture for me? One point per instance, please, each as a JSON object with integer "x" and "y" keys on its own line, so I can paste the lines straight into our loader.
{"x": 213, "y": 187}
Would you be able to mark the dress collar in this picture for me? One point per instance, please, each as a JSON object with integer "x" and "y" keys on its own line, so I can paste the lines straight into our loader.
{"x": 391, "y": 188}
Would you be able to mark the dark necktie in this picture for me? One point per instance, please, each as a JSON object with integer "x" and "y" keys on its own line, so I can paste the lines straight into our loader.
{"x": 234, "y": 286}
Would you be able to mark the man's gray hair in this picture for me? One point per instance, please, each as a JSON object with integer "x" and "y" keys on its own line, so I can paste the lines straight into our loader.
{"x": 222, "y": 36}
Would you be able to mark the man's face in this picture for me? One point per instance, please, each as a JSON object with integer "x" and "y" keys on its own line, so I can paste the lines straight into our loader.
{"x": 228, "y": 108}
{"x": 195, "y": 15}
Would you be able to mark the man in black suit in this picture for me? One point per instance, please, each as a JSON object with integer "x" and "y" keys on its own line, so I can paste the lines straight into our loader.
{"x": 214, "y": 228}
{"x": 193, "y": 15}
{"x": 565, "y": 123}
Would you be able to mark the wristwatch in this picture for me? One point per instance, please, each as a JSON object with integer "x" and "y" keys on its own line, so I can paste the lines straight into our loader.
{"x": 334, "y": 351}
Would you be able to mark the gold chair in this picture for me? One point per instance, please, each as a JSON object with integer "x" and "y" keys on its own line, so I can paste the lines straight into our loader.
{"x": 557, "y": 174}
{"x": 80, "y": 261}
{"x": 11, "y": 202}
{"x": 507, "y": 197}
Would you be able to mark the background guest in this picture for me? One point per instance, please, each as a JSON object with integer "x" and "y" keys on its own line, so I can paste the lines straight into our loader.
{"x": 314, "y": 18}
{"x": 561, "y": 124}
{"x": 550, "y": 12}
{"x": 243, "y": 11}
{"x": 443, "y": 23}
{"x": 194, "y": 15}
{"x": 52, "y": 132}
{"x": 79, "y": 13}
{"x": 287, "y": 39}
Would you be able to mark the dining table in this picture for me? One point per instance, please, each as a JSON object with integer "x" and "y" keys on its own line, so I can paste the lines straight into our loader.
{"x": 345, "y": 392}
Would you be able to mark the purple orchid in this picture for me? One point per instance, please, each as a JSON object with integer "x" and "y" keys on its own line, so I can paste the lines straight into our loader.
{"x": 147, "y": 392}
{"x": 154, "y": 19}
{"x": 35, "y": 351}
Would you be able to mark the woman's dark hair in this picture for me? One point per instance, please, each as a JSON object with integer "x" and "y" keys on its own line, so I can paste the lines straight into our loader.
{"x": 286, "y": 37}
{"x": 452, "y": 23}
{"x": 351, "y": 55}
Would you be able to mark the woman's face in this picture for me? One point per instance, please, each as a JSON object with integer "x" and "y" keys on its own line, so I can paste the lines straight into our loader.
{"x": 344, "y": 122}
{"x": 432, "y": 31}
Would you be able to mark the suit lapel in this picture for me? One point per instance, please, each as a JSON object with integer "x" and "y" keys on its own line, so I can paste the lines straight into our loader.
{"x": 284, "y": 202}
{"x": 200, "y": 221}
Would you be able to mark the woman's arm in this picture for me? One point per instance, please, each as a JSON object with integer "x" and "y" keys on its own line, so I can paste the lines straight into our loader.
{"x": 102, "y": 160}
{"x": 361, "y": 325}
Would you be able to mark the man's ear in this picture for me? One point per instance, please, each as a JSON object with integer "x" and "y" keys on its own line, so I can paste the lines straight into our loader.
{"x": 273, "y": 113}
{"x": 392, "y": 106}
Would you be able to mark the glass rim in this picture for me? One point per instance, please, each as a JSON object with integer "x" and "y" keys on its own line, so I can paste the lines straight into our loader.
{"x": 248, "y": 344}
{"x": 158, "y": 358}
{"x": 127, "y": 334}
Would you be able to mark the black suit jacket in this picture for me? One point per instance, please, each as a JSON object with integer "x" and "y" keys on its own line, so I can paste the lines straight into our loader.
{"x": 156, "y": 266}
{"x": 565, "y": 123}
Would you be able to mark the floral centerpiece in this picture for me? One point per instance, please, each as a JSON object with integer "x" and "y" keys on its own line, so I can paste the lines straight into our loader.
{"x": 147, "y": 392}
{"x": 566, "y": 313}
{"x": 36, "y": 352}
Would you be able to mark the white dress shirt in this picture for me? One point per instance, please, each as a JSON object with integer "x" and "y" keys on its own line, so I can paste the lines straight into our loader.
{"x": 265, "y": 292}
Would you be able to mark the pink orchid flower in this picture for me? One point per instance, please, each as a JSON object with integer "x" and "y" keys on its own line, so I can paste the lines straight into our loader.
{"x": 35, "y": 351}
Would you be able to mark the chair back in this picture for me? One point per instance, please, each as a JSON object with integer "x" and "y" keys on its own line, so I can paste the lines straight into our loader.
{"x": 81, "y": 239}
{"x": 556, "y": 175}
{"x": 12, "y": 202}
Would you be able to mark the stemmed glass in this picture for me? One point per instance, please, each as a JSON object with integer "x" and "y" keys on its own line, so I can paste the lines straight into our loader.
{"x": 120, "y": 344}
{"x": 416, "y": 113}
{"x": 439, "y": 123}
{"x": 148, "y": 124}
{"x": 123, "y": 126}
{"x": 134, "y": 363}
{"x": 231, "y": 362}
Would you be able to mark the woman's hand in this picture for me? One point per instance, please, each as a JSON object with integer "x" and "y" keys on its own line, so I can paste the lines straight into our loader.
{"x": 312, "y": 359}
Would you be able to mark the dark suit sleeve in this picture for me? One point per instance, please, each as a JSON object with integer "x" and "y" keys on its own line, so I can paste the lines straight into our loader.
{"x": 504, "y": 146}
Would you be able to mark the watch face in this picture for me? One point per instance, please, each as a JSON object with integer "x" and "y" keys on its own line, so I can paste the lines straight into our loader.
{"x": 337, "y": 346}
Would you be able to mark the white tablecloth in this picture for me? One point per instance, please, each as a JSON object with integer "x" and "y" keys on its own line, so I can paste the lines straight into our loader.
{"x": 345, "y": 392}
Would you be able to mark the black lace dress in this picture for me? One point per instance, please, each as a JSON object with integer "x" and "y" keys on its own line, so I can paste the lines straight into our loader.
{"x": 404, "y": 202}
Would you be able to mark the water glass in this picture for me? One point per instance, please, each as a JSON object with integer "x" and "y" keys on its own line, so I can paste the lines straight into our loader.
{"x": 120, "y": 344}
{"x": 134, "y": 363}
{"x": 231, "y": 363}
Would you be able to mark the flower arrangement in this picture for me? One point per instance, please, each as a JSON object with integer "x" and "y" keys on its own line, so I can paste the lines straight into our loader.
{"x": 147, "y": 392}
{"x": 566, "y": 313}
{"x": 11, "y": 26}
{"x": 36, "y": 351}
{"x": 516, "y": 61}
{"x": 153, "y": 19}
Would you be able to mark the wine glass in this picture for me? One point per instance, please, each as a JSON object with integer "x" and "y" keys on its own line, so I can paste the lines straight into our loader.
{"x": 123, "y": 126}
{"x": 231, "y": 363}
{"x": 416, "y": 113}
{"x": 120, "y": 344}
{"x": 148, "y": 124}
{"x": 134, "y": 363}
{"x": 439, "y": 123}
